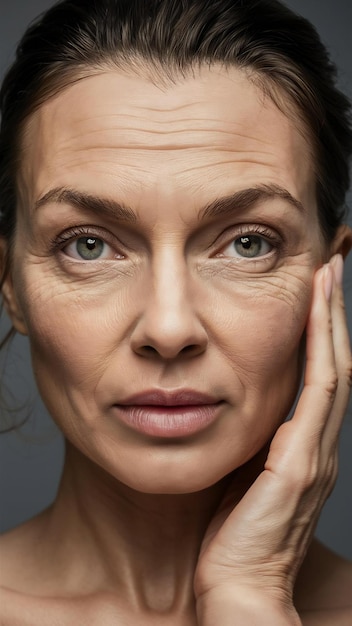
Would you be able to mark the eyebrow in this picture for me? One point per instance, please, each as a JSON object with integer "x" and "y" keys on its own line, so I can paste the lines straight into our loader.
{"x": 240, "y": 201}
{"x": 244, "y": 199}
{"x": 88, "y": 202}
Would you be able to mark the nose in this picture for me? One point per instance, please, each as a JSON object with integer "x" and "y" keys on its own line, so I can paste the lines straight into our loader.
{"x": 169, "y": 326}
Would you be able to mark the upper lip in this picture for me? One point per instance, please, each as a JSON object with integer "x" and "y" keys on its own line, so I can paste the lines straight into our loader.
{"x": 163, "y": 397}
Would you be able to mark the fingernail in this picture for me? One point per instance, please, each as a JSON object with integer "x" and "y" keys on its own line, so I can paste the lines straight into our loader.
{"x": 328, "y": 276}
{"x": 337, "y": 265}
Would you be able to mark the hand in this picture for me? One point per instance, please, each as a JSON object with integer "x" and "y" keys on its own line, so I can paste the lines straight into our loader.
{"x": 257, "y": 541}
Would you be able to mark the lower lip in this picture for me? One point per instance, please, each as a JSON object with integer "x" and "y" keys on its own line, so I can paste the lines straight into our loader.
{"x": 168, "y": 421}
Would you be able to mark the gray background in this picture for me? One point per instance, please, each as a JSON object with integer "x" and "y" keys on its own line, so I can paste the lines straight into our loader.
{"x": 31, "y": 460}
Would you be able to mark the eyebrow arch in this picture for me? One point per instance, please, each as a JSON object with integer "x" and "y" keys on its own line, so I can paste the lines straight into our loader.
{"x": 246, "y": 198}
{"x": 88, "y": 202}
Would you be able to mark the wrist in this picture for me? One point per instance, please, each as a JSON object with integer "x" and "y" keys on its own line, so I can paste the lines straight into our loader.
{"x": 236, "y": 607}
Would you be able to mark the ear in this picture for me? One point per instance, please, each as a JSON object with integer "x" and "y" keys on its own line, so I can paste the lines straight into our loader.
{"x": 342, "y": 242}
{"x": 10, "y": 300}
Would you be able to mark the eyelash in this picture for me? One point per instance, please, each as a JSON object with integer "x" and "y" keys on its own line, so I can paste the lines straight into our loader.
{"x": 79, "y": 231}
{"x": 274, "y": 239}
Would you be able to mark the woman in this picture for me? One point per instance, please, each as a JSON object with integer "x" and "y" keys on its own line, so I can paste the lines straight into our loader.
{"x": 172, "y": 184}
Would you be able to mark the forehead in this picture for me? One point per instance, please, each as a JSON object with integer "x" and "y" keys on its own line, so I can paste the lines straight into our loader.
{"x": 212, "y": 130}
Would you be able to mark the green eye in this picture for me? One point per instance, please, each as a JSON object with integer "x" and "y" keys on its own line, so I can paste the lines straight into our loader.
{"x": 89, "y": 248}
{"x": 249, "y": 247}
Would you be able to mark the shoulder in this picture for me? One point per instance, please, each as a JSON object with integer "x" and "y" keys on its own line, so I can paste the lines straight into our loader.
{"x": 19, "y": 550}
{"x": 30, "y": 594}
{"x": 17, "y": 606}
{"x": 21, "y": 609}
{"x": 324, "y": 582}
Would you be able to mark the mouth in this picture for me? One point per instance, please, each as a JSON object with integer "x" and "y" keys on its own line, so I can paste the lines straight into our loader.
{"x": 161, "y": 413}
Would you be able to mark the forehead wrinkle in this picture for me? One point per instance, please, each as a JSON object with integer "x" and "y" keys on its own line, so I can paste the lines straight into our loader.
{"x": 185, "y": 124}
{"x": 164, "y": 110}
{"x": 219, "y": 128}
{"x": 223, "y": 142}
{"x": 208, "y": 142}
{"x": 173, "y": 109}
{"x": 229, "y": 161}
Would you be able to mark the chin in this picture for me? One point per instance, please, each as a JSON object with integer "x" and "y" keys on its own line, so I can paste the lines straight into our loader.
{"x": 176, "y": 479}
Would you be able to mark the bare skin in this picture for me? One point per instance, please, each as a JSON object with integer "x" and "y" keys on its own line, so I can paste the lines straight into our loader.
{"x": 323, "y": 585}
{"x": 121, "y": 542}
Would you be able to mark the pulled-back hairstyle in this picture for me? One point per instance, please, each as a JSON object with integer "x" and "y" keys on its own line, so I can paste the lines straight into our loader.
{"x": 279, "y": 50}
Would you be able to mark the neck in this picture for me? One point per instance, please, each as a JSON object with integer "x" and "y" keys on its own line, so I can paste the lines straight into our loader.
{"x": 142, "y": 547}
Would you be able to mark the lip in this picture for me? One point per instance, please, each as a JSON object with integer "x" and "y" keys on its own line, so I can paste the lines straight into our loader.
{"x": 174, "y": 397}
{"x": 162, "y": 413}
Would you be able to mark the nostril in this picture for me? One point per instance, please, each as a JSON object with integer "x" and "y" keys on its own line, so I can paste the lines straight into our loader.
{"x": 149, "y": 349}
{"x": 190, "y": 348}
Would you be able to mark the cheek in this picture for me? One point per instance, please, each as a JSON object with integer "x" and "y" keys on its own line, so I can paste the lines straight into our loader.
{"x": 280, "y": 366}
{"x": 71, "y": 349}
{"x": 72, "y": 339}
{"x": 76, "y": 344}
{"x": 266, "y": 316}
{"x": 263, "y": 338}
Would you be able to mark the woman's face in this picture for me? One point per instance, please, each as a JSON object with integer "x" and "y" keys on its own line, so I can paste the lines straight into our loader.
{"x": 167, "y": 240}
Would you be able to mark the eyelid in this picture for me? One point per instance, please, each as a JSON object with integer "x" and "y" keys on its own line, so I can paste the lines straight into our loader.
{"x": 75, "y": 232}
{"x": 240, "y": 230}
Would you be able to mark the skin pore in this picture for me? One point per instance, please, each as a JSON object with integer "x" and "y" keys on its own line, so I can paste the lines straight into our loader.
{"x": 118, "y": 167}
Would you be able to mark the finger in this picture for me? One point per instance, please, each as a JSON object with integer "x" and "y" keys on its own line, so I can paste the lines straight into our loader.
{"x": 320, "y": 381}
{"x": 343, "y": 359}
{"x": 301, "y": 436}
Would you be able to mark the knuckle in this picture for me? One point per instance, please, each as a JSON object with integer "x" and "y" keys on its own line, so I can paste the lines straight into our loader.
{"x": 331, "y": 474}
{"x": 306, "y": 475}
{"x": 331, "y": 384}
{"x": 341, "y": 302}
{"x": 332, "y": 477}
{"x": 315, "y": 474}
{"x": 348, "y": 372}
